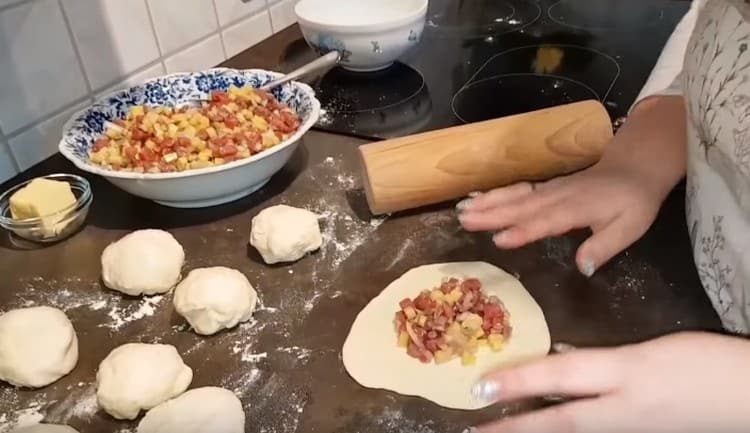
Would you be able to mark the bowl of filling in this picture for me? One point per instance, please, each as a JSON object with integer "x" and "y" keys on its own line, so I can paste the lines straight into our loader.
{"x": 192, "y": 140}
{"x": 368, "y": 35}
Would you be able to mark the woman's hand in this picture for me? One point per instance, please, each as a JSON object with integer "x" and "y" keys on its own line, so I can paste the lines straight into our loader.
{"x": 618, "y": 198}
{"x": 684, "y": 383}
{"x": 614, "y": 201}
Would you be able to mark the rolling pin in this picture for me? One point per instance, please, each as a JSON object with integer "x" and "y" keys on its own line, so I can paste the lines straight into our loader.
{"x": 437, "y": 166}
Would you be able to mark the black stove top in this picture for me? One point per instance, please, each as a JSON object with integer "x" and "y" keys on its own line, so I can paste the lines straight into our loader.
{"x": 482, "y": 59}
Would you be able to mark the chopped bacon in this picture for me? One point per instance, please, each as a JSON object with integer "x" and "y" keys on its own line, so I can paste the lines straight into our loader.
{"x": 442, "y": 323}
{"x": 101, "y": 144}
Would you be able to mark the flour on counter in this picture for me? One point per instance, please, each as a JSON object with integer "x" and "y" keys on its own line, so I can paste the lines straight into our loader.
{"x": 80, "y": 404}
{"x": 245, "y": 338}
{"x": 11, "y": 420}
{"x": 242, "y": 382}
{"x": 254, "y": 357}
{"x": 393, "y": 421}
{"x": 121, "y": 315}
{"x": 300, "y": 353}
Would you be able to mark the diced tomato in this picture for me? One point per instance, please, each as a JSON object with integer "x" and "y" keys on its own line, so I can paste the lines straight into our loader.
{"x": 432, "y": 345}
{"x": 139, "y": 135}
{"x": 471, "y": 284}
{"x": 262, "y": 112}
{"x": 492, "y": 311}
{"x": 228, "y": 150}
{"x": 231, "y": 122}
{"x": 130, "y": 152}
{"x": 405, "y": 303}
{"x": 100, "y": 144}
{"x": 148, "y": 155}
{"x": 423, "y": 302}
{"x": 167, "y": 144}
{"x": 220, "y": 98}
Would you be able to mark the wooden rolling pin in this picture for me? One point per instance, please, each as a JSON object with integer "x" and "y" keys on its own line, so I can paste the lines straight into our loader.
{"x": 437, "y": 166}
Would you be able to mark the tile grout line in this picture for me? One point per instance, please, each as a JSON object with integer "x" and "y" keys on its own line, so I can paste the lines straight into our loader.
{"x": 156, "y": 37}
{"x": 3, "y": 8}
{"x": 92, "y": 94}
{"x": 6, "y": 145}
{"x": 73, "y": 42}
{"x": 218, "y": 25}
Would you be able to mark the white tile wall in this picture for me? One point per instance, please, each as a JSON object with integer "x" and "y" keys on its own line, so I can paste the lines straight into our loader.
{"x": 56, "y": 56}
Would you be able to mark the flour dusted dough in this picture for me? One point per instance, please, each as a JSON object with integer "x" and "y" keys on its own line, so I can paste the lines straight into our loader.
{"x": 212, "y": 299}
{"x": 45, "y": 428}
{"x": 38, "y": 346}
{"x": 144, "y": 262}
{"x": 372, "y": 358}
{"x": 285, "y": 234}
{"x": 201, "y": 410}
{"x": 139, "y": 376}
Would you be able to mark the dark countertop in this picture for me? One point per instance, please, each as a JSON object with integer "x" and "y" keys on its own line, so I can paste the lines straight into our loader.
{"x": 286, "y": 364}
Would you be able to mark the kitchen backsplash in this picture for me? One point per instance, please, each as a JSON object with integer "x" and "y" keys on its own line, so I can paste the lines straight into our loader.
{"x": 56, "y": 56}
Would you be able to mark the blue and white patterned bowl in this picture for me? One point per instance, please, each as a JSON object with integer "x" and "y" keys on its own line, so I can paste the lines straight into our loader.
{"x": 192, "y": 188}
{"x": 369, "y": 35}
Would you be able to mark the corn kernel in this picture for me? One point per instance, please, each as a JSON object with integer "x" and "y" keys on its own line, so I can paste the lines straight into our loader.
{"x": 403, "y": 339}
{"x": 443, "y": 356}
{"x": 468, "y": 359}
{"x": 496, "y": 342}
{"x": 205, "y": 155}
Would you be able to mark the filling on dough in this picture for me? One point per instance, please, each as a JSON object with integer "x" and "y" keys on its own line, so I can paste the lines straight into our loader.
{"x": 452, "y": 321}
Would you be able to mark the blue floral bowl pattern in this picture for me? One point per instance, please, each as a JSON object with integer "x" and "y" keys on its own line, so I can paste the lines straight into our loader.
{"x": 212, "y": 185}
{"x": 86, "y": 126}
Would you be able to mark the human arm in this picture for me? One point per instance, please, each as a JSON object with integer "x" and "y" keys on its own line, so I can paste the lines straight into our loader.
{"x": 619, "y": 197}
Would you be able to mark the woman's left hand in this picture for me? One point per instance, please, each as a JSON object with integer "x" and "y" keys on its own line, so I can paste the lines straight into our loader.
{"x": 686, "y": 383}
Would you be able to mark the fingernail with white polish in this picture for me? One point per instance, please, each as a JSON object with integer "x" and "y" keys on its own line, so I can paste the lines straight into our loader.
{"x": 500, "y": 237}
{"x": 463, "y": 204}
{"x": 485, "y": 392}
{"x": 475, "y": 194}
{"x": 588, "y": 268}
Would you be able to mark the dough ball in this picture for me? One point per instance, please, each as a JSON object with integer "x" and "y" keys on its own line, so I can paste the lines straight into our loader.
{"x": 45, "y": 428}
{"x": 212, "y": 299}
{"x": 201, "y": 410}
{"x": 285, "y": 234}
{"x": 38, "y": 346}
{"x": 140, "y": 376}
{"x": 145, "y": 262}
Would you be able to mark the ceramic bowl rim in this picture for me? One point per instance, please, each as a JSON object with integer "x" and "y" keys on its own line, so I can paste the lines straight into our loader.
{"x": 407, "y": 18}
{"x": 91, "y": 168}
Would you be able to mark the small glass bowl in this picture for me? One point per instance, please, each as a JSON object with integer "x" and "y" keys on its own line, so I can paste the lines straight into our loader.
{"x": 49, "y": 228}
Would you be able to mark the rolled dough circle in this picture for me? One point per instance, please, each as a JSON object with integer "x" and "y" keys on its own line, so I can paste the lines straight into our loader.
{"x": 139, "y": 376}
{"x": 38, "y": 346}
{"x": 285, "y": 234}
{"x": 212, "y": 299}
{"x": 372, "y": 358}
{"x": 45, "y": 428}
{"x": 144, "y": 262}
{"x": 200, "y": 410}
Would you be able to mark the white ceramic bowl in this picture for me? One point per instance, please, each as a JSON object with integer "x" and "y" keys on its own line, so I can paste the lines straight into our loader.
{"x": 369, "y": 34}
{"x": 192, "y": 188}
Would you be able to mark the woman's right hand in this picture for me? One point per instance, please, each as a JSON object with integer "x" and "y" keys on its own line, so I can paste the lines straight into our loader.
{"x": 618, "y": 198}
{"x": 612, "y": 201}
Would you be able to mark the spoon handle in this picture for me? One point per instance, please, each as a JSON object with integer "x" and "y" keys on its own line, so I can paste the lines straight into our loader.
{"x": 329, "y": 59}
